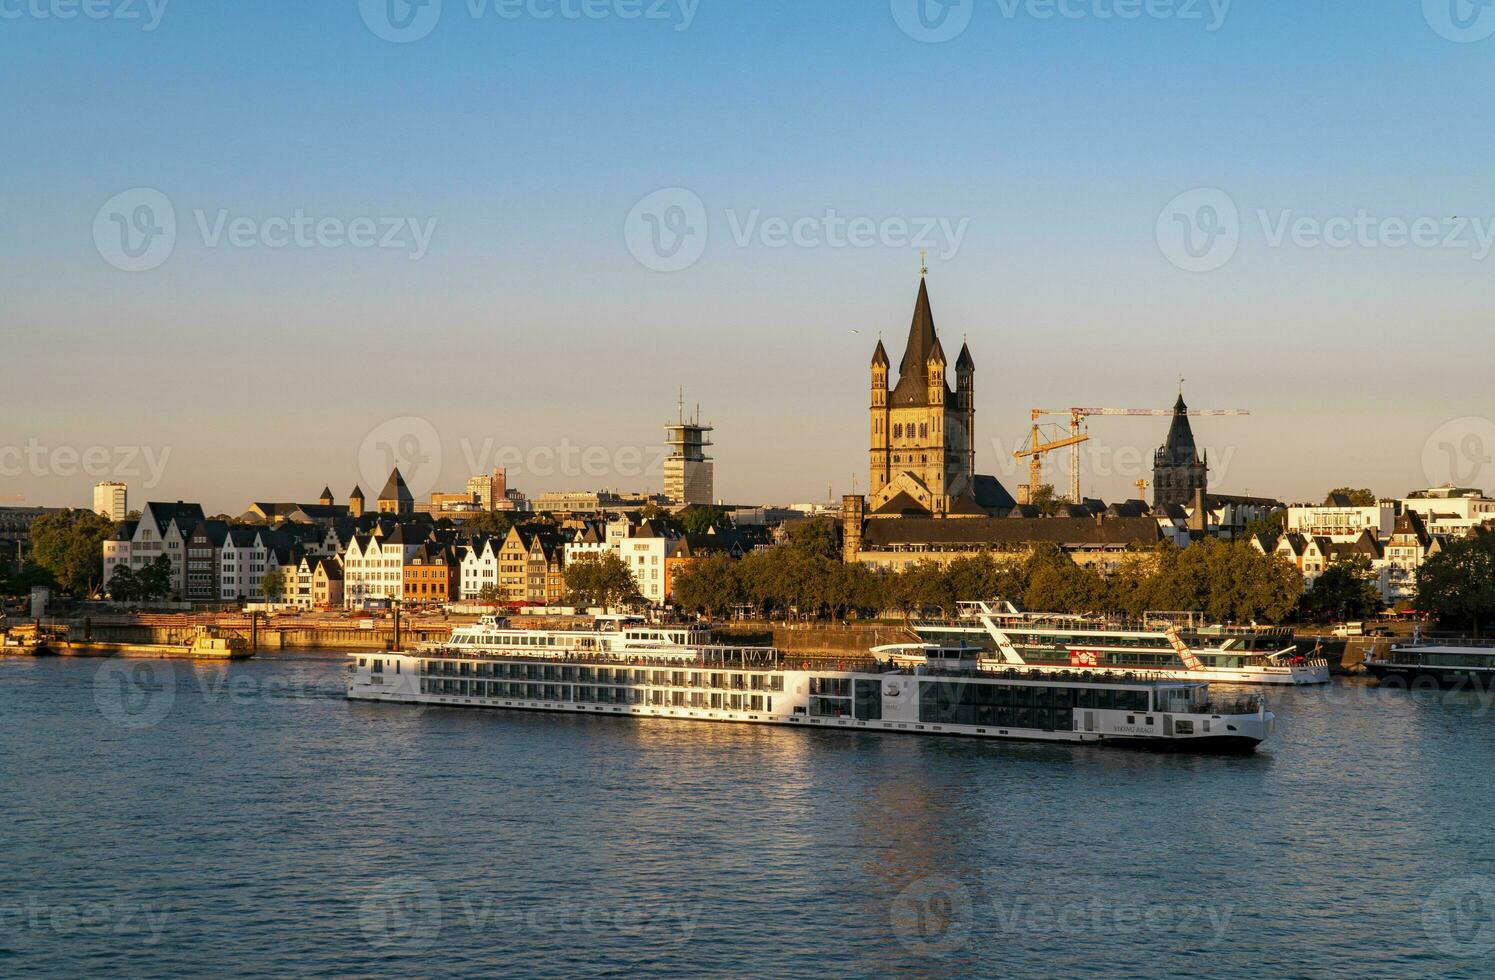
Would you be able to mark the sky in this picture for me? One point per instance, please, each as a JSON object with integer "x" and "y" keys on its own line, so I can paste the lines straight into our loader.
{"x": 255, "y": 249}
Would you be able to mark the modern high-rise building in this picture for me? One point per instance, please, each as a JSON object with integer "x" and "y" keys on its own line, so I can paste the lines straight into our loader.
{"x": 490, "y": 492}
{"x": 689, "y": 478}
{"x": 111, "y": 500}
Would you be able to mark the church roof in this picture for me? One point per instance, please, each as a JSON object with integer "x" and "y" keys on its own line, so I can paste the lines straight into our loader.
{"x": 396, "y": 489}
{"x": 902, "y": 505}
{"x": 327, "y": 493}
{"x": 964, "y": 362}
{"x": 913, "y": 370}
{"x": 1180, "y": 449}
{"x": 880, "y": 356}
{"x": 357, "y": 493}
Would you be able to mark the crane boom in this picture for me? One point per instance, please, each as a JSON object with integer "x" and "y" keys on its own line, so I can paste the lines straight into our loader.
{"x": 1078, "y": 435}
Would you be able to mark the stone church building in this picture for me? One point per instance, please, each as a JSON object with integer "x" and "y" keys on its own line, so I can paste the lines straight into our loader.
{"x": 923, "y": 431}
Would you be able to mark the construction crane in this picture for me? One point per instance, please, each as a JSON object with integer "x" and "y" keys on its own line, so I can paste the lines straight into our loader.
{"x": 1040, "y": 443}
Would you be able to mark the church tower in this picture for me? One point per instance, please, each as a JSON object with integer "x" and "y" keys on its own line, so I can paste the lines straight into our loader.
{"x": 1178, "y": 468}
{"x": 922, "y": 451}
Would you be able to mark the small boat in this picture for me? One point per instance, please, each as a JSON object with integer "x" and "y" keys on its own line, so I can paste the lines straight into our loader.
{"x": 211, "y": 643}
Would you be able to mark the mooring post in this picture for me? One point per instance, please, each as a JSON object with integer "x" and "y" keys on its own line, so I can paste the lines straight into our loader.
{"x": 254, "y": 632}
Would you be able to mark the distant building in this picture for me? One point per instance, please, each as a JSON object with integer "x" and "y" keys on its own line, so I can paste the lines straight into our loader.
{"x": 490, "y": 492}
{"x": 1339, "y": 520}
{"x": 1451, "y": 510}
{"x": 111, "y": 500}
{"x": 689, "y": 479}
{"x": 1178, "y": 467}
{"x": 396, "y": 498}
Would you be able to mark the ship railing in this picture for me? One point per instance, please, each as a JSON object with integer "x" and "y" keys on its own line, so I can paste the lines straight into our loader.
{"x": 1482, "y": 643}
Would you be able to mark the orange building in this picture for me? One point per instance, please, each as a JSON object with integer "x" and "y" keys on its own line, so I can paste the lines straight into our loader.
{"x": 432, "y": 574}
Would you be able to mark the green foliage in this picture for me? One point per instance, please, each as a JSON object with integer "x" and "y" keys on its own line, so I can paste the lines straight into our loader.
{"x": 601, "y": 580}
{"x": 153, "y": 581}
{"x": 1345, "y": 590}
{"x": 21, "y": 583}
{"x": 494, "y": 522}
{"x": 1045, "y": 499}
{"x": 700, "y": 520}
{"x": 70, "y": 546}
{"x": 273, "y": 584}
{"x": 1457, "y": 585}
{"x": 709, "y": 587}
{"x": 1228, "y": 582}
{"x": 815, "y": 537}
{"x": 490, "y": 593}
{"x": 1359, "y": 496}
{"x": 1272, "y": 525}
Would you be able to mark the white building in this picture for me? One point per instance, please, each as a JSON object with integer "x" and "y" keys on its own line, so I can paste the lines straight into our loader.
{"x": 1339, "y": 520}
{"x": 374, "y": 566}
{"x": 1450, "y": 510}
{"x": 645, "y": 551}
{"x": 163, "y": 529}
{"x": 242, "y": 563}
{"x": 479, "y": 564}
{"x": 111, "y": 500}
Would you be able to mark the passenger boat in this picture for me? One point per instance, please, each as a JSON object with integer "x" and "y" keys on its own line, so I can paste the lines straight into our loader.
{"x": 1453, "y": 663}
{"x": 1160, "y": 645}
{"x": 947, "y": 693}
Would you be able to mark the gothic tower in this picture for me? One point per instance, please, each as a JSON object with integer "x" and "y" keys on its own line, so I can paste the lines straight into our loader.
{"x": 922, "y": 452}
{"x": 1178, "y": 468}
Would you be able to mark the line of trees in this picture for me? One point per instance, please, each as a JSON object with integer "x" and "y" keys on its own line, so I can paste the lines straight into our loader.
{"x": 151, "y": 583}
{"x": 804, "y": 578}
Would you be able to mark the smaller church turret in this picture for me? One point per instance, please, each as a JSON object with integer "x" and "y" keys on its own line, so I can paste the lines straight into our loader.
{"x": 936, "y": 372}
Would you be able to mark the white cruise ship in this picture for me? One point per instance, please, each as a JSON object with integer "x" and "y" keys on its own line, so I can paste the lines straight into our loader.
{"x": 1050, "y": 643}
{"x": 946, "y": 693}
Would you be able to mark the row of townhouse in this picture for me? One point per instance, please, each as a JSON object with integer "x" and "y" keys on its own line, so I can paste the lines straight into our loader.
{"x": 1396, "y": 535}
{"x": 214, "y": 560}
{"x": 1394, "y": 559}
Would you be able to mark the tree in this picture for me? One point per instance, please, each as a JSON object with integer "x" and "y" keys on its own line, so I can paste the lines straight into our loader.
{"x": 1457, "y": 585}
{"x": 494, "y": 522}
{"x": 1045, "y": 499}
{"x": 489, "y": 593}
{"x": 710, "y": 586}
{"x": 273, "y": 584}
{"x": 1345, "y": 590}
{"x": 70, "y": 546}
{"x": 123, "y": 585}
{"x": 1358, "y": 496}
{"x": 700, "y": 520}
{"x": 816, "y": 537}
{"x": 602, "y": 580}
{"x": 153, "y": 581}
{"x": 26, "y": 579}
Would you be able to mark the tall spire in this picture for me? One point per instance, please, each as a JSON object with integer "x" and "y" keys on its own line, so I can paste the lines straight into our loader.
{"x": 913, "y": 377}
{"x": 1180, "y": 448}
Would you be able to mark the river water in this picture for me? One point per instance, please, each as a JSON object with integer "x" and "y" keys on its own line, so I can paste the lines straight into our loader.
{"x": 169, "y": 819}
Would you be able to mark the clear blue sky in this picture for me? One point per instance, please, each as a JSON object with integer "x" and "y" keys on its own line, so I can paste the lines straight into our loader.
{"x": 527, "y": 322}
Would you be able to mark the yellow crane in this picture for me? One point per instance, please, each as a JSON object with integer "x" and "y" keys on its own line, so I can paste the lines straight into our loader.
{"x": 1041, "y": 442}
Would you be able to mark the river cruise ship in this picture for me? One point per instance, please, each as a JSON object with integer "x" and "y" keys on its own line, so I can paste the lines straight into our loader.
{"x": 946, "y": 693}
{"x": 1452, "y": 663}
{"x": 1160, "y": 645}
